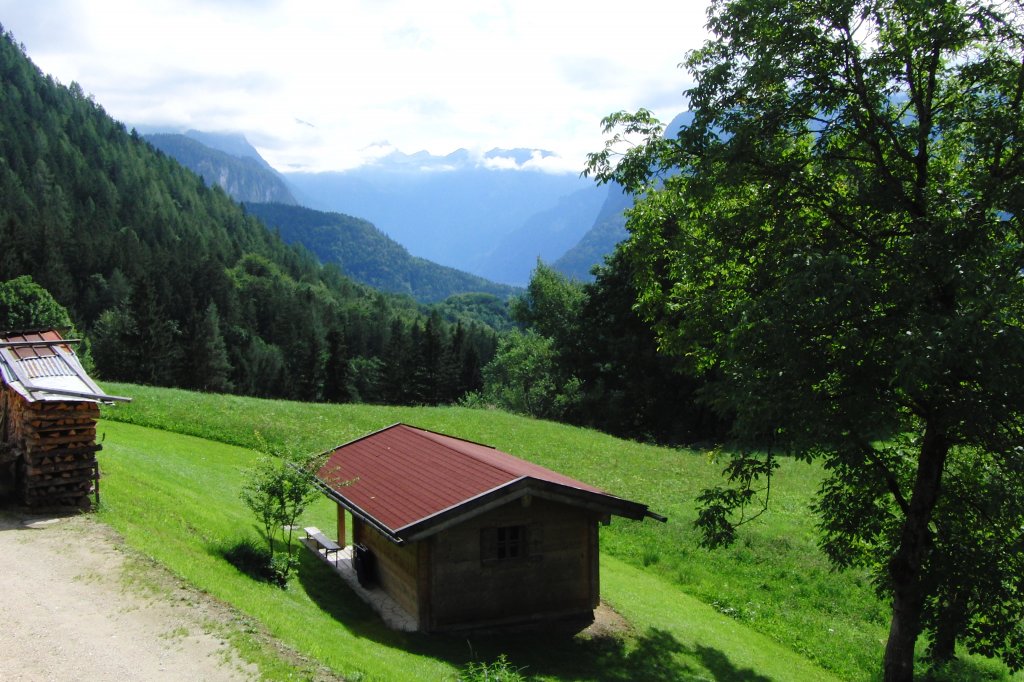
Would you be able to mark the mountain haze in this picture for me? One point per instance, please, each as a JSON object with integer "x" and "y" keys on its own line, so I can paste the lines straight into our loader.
{"x": 545, "y": 235}
{"x": 361, "y": 250}
{"x": 463, "y": 211}
{"x": 609, "y": 228}
{"x": 366, "y": 254}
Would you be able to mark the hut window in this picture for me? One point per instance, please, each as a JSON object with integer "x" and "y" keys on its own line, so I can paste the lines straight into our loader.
{"x": 504, "y": 543}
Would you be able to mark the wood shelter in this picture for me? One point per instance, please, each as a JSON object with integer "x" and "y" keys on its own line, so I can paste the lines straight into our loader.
{"x": 462, "y": 535}
{"x": 48, "y": 412}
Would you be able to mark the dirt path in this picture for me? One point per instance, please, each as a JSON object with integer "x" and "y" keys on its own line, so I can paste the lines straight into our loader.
{"x": 74, "y": 606}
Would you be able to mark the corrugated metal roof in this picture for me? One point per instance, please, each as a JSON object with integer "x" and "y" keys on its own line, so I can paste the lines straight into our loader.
{"x": 401, "y": 477}
{"x": 42, "y": 366}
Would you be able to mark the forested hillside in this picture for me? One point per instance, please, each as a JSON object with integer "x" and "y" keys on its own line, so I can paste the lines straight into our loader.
{"x": 367, "y": 255}
{"x": 176, "y": 285}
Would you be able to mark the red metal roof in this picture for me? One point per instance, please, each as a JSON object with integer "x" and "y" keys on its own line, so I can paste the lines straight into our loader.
{"x": 402, "y": 476}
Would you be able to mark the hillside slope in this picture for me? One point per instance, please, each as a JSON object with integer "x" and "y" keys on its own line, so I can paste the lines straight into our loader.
{"x": 367, "y": 255}
{"x": 174, "y": 284}
{"x": 775, "y": 580}
{"x": 646, "y": 566}
{"x": 244, "y": 179}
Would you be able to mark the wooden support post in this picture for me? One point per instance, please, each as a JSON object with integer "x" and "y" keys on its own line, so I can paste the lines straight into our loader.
{"x": 341, "y": 525}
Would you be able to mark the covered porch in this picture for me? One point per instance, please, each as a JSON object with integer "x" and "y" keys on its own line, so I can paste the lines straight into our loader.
{"x": 341, "y": 561}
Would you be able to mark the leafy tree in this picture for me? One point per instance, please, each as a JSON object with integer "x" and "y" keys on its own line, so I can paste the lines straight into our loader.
{"x": 523, "y": 377}
{"x": 836, "y": 239}
{"x": 608, "y": 357}
{"x": 114, "y": 336}
{"x": 26, "y": 305}
{"x": 628, "y": 387}
{"x": 366, "y": 381}
{"x": 551, "y": 305}
{"x": 337, "y": 379}
{"x": 278, "y": 490}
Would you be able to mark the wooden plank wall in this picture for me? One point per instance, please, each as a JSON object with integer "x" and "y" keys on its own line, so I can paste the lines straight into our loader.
{"x": 397, "y": 566}
{"x": 555, "y": 580}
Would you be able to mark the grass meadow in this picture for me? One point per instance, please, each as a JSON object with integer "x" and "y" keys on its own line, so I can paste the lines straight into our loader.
{"x": 769, "y": 608}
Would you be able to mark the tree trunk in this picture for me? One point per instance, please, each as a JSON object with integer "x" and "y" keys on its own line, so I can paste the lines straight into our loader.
{"x": 905, "y": 567}
{"x": 951, "y": 620}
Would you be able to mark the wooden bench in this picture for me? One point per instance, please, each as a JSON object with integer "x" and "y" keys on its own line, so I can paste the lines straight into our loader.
{"x": 313, "y": 533}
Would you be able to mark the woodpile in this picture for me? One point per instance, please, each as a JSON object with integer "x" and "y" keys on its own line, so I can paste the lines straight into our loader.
{"x": 55, "y": 444}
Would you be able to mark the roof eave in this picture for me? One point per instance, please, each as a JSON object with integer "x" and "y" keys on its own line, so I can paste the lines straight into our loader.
{"x": 556, "y": 492}
{"x": 356, "y": 510}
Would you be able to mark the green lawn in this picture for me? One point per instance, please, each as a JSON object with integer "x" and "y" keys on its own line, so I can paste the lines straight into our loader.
{"x": 768, "y": 608}
{"x": 174, "y": 498}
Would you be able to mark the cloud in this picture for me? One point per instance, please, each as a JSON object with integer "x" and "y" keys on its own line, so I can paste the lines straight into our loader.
{"x": 434, "y": 76}
{"x": 538, "y": 160}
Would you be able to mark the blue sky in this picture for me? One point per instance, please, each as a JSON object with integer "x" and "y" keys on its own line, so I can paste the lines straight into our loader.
{"x": 329, "y": 84}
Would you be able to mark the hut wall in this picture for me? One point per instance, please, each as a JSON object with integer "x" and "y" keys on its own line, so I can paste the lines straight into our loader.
{"x": 554, "y": 576}
{"x": 397, "y": 566}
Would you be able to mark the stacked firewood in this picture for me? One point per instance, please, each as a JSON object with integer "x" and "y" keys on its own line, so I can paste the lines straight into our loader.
{"x": 56, "y": 442}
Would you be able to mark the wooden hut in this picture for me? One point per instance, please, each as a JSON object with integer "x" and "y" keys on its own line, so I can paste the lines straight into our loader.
{"x": 462, "y": 535}
{"x": 48, "y": 412}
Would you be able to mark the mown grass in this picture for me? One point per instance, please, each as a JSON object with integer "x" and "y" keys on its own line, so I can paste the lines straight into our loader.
{"x": 774, "y": 581}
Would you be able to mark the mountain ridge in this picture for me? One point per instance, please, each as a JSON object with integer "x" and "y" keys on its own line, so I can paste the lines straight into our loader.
{"x": 244, "y": 178}
{"x": 455, "y": 216}
{"x": 367, "y": 255}
{"x": 359, "y": 248}
{"x": 609, "y": 228}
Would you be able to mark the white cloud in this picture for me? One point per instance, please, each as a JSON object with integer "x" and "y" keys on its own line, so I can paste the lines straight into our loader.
{"x": 313, "y": 83}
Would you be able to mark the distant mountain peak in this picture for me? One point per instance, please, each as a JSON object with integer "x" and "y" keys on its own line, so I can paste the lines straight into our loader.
{"x": 389, "y": 158}
{"x": 233, "y": 143}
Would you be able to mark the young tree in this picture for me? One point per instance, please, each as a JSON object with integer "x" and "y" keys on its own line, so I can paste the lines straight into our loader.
{"x": 278, "y": 490}
{"x": 337, "y": 370}
{"x": 837, "y": 235}
{"x": 551, "y": 305}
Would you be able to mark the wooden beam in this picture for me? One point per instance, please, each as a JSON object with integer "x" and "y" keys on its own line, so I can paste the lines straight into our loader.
{"x": 37, "y": 344}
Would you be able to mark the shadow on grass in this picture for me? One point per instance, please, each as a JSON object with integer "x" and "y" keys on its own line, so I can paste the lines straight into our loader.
{"x": 968, "y": 669}
{"x": 328, "y": 591}
{"x": 654, "y": 656}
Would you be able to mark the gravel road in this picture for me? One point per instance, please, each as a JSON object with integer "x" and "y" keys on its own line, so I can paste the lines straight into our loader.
{"x": 75, "y": 606}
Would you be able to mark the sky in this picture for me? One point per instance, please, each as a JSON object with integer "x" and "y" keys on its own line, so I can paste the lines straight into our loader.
{"x": 321, "y": 85}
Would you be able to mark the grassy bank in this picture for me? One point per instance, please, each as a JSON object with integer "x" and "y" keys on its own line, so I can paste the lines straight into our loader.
{"x": 774, "y": 581}
{"x": 174, "y": 498}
